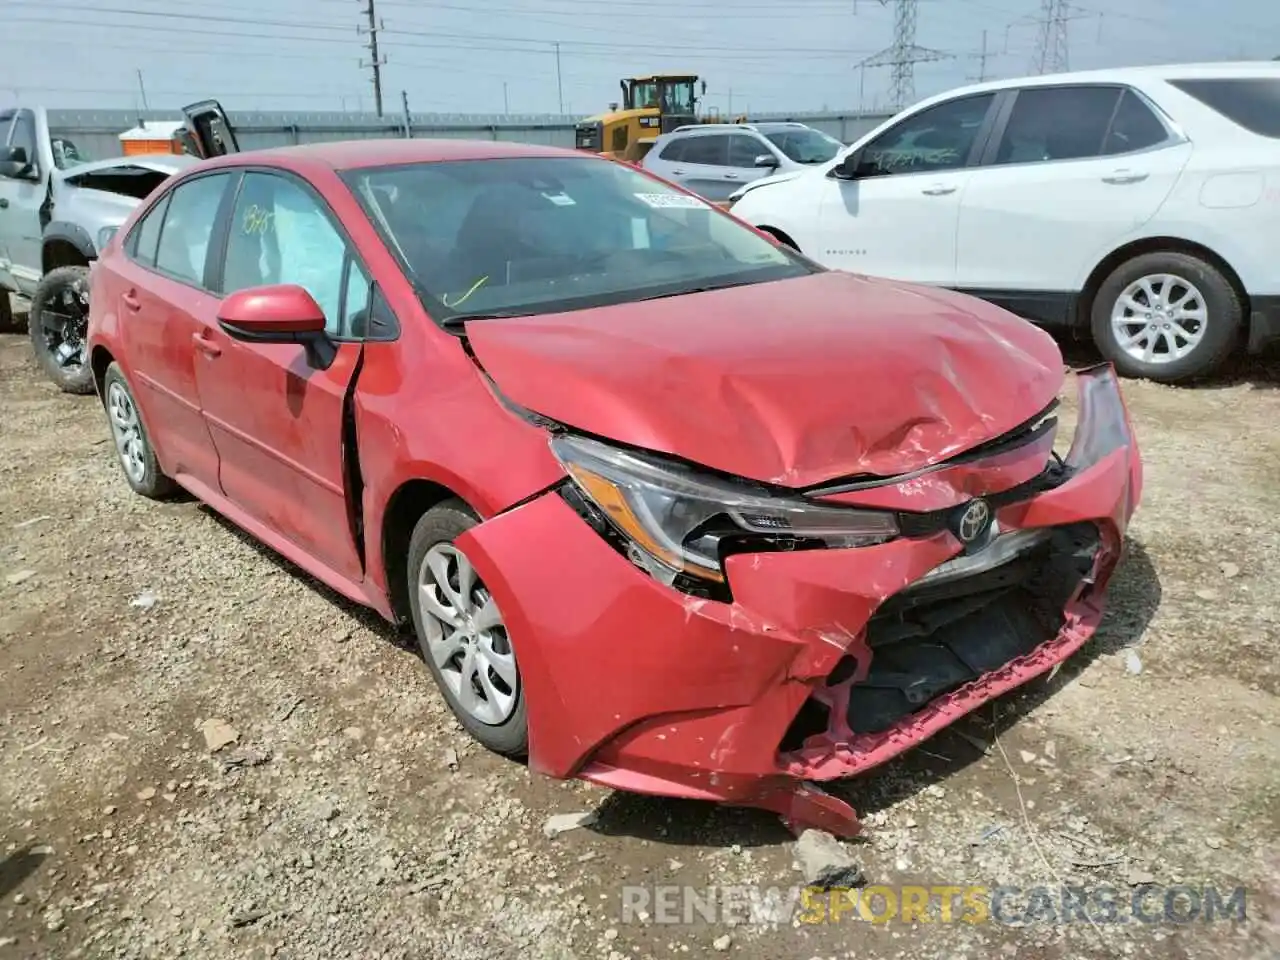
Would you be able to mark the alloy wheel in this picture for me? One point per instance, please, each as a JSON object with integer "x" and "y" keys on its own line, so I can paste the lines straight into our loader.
{"x": 1159, "y": 318}
{"x": 126, "y": 429}
{"x": 466, "y": 637}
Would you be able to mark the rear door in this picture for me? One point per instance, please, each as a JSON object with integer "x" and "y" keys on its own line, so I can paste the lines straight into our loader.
{"x": 1070, "y": 173}
{"x": 164, "y": 291}
{"x": 701, "y": 168}
{"x": 275, "y": 417}
{"x": 210, "y": 129}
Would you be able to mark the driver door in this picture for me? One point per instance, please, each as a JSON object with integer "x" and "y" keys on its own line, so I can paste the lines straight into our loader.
{"x": 20, "y": 202}
{"x": 276, "y": 417}
{"x": 900, "y": 217}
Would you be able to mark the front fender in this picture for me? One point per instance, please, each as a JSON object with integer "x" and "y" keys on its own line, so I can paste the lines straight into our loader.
{"x": 63, "y": 231}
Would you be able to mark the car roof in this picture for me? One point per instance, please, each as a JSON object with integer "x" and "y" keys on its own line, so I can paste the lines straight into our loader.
{"x": 350, "y": 154}
{"x": 1158, "y": 71}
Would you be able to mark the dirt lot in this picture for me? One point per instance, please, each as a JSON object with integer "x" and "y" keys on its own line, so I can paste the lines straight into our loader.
{"x": 351, "y": 817}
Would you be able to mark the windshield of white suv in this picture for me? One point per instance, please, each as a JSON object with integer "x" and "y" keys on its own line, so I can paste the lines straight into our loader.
{"x": 520, "y": 236}
{"x": 805, "y": 145}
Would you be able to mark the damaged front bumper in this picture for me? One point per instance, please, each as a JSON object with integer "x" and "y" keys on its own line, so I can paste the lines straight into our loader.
{"x": 827, "y": 662}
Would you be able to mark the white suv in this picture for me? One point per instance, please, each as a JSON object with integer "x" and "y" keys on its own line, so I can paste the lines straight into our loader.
{"x": 1141, "y": 203}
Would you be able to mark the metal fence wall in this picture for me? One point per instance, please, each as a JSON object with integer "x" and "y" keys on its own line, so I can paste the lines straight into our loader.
{"x": 96, "y": 132}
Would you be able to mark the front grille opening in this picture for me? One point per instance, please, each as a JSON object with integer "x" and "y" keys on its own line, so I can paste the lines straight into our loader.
{"x": 942, "y": 633}
{"x": 932, "y": 638}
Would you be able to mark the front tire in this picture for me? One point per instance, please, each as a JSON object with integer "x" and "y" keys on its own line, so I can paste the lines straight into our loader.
{"x": 462, "y": 634}
{"x": 133, "y": 446}
{"x": 59, "y": 326}
{"x": 1167, "y": 317}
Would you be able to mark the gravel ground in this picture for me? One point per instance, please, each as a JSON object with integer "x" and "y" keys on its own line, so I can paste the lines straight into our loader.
{"x": 344, "y": 813}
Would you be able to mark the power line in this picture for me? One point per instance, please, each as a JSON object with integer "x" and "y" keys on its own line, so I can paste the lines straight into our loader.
{"x": 903, "y": 54}
{"x": 982, "y": 57}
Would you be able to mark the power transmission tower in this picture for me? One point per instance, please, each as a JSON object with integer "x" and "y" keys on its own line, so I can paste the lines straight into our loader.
{"x": 903, "y": 54}
{"x": 1051, "y": 47}
{"x": 375, "y": 62}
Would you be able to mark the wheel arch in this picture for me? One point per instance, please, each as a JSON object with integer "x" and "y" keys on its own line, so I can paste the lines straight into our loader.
{"x": 404, "y": 509}
{"x": 99, "y": 359}
{"x": 1084, "y": 305}
{"x": 65, "y": 245}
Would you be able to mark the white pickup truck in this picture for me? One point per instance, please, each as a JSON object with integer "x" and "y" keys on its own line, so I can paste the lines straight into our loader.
{"x": 57, "y": 209}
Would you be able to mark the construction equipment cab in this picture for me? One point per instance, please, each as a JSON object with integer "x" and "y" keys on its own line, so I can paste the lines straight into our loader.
{"x": 650, "y": 106}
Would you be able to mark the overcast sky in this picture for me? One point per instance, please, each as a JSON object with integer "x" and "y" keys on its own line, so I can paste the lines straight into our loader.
{"x": 494, "y": 56}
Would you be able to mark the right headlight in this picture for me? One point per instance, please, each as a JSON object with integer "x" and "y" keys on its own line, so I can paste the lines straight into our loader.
{"x": 674, "y": 518}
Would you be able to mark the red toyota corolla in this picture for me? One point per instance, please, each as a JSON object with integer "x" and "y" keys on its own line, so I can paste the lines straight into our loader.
{"x": 669, "y": 507}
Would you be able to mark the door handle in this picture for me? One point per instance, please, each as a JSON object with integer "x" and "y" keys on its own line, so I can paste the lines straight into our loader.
{"x": 131, "y": 301}
{"x": 732, "y": 176}
{"x": 937, "y": 191}
{"x": 678, "y": 173}
{"x": 1124, "y": 176}
{"x": 4, "y": 202}
{"x": 205, "y": 345}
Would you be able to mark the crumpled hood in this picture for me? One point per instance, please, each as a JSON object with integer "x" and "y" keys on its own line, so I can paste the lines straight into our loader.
{"x": 159, "y": 162}
{"x": 793, "y": 382}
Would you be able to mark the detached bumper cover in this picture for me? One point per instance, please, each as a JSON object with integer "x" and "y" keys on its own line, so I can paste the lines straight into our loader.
{"x": 828, "y": 662}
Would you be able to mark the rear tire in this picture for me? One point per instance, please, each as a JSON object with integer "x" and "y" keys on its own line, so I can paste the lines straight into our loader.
{"x": 59, "y": 327}
{"x": 467, "y": 649}
{"x": 134, "y": 452}
{"x": 1168, "y": 317}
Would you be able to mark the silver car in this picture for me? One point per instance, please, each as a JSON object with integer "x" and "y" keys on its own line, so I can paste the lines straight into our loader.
{"x": 714, "y": 160}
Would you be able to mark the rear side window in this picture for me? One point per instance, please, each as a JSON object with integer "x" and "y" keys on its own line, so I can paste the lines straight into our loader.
{"x": 188, "y": 225}
{"x": 145, "y": 237}
{"x": 712, "y": 150}
{"x": 1057, "y": 123}
{"x": 1134, "y": 127}
{"x": 1251, "y": 102}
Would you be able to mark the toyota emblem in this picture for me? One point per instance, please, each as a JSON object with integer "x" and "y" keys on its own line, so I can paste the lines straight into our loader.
{"x": 974, "y": 521}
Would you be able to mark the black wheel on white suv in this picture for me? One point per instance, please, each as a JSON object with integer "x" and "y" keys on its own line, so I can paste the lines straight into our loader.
{"x": 59, "y": 326}
{"x": 1167, "y": 317}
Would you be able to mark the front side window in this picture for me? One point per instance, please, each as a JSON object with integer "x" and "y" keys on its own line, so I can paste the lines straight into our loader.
{"x": 678, "y": 98}
{"x": 1250, "y": 102}
{"x": 188, "y": 225}
{"x": 937, "y": 138}
{"x": 22, "y": 134}
{"x": 280, "y": 234}
{"x": 743, "y": 150}
{"x": 537, "y": 235}
{"x": 1057, "y": 123}
{"x": 805, "y": 145}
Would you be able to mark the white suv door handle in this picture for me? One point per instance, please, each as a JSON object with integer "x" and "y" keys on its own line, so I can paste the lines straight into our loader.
{"x": 732, "y": 176}
{"x": 1124, "y": 176}
{"x": 938, "y": 190}
{"x": 678, "y": 173}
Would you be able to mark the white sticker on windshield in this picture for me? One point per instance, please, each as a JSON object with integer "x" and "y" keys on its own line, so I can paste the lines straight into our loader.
{"x": 561, "y": 199}
{"x": 661, "y": 200}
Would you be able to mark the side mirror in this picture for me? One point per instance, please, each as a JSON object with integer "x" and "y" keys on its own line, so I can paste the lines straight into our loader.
{"x": 14, "y": 163}
{"x": 282, "y": 313}
{"x": 766, "y": 160}
{"x": 850, "y": 168}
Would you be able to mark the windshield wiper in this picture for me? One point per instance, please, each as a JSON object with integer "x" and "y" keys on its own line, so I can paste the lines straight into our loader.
{"x": 706, "y": 288}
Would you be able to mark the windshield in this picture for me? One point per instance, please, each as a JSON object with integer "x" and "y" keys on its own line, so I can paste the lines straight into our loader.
{"x": 805, "y": 145}
{"x": 520, "y": 236}
{"x": 66, "y": 154}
